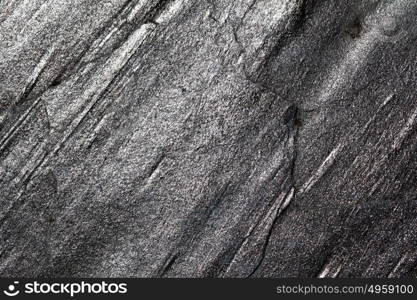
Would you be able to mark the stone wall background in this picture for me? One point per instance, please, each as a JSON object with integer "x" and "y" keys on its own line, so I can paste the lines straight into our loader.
{"x": 187, "y": 138}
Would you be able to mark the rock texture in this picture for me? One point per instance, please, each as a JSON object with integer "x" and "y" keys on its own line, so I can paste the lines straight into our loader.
{"x": 188, "y": 138}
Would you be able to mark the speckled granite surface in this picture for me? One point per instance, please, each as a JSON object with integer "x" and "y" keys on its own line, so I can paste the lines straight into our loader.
{"x": 188, "y": 138}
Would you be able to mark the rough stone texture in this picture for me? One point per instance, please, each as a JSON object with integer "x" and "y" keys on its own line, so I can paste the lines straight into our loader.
{"x": 188, "y": 138}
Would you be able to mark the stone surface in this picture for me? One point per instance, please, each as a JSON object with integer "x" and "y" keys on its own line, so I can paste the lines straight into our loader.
{"x": 186, "y": 138}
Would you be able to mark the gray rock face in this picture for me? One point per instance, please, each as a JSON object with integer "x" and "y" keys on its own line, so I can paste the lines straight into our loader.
{"x": 186, "y": 138}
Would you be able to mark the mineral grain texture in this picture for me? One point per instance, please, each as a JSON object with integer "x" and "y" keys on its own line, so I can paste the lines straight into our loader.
{"x": 191, "y": 138}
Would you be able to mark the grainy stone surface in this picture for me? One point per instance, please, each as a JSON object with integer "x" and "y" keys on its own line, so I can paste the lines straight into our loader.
{"x": 188, "y": 138}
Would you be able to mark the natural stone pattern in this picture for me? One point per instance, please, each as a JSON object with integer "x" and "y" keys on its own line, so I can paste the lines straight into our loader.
{"x": 187, "y": 138}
